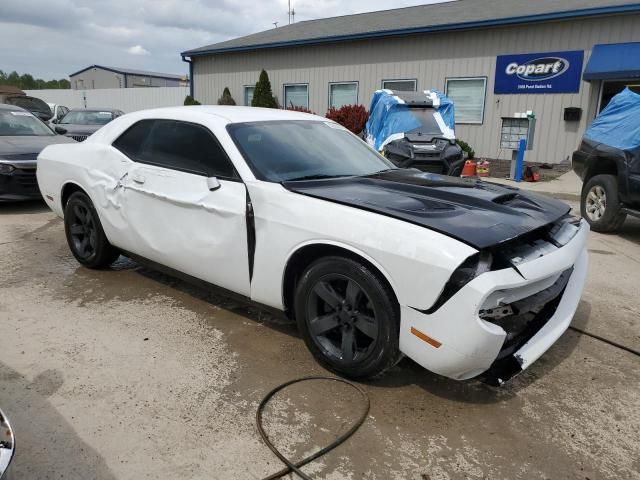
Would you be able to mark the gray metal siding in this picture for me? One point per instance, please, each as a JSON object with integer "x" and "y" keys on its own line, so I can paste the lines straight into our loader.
{"x": 97, "y": 78}
{"x": 431, "y": 58}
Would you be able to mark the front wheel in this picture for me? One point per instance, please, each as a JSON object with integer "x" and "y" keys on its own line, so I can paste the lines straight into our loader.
{"x": 348, "y": 317}
{"x": 85, "y": 235}
{"x": 600, "y": 204}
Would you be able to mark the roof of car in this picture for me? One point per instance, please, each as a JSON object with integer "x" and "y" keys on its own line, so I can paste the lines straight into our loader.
{"x": 14, "y": 108}
{"x": 231, "y": 114}
{"x": 95, "y": 110}
{"x": 433, "y": 17}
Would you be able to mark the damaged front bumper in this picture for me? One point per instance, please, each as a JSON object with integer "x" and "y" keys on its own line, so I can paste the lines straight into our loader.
{"x": 502, "y": 321}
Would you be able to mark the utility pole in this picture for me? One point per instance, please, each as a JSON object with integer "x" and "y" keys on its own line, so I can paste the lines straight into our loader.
{"x": 291, "y": 13}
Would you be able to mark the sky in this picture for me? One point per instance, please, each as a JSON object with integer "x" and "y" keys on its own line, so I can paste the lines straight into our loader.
{"x": 53, "y": 38}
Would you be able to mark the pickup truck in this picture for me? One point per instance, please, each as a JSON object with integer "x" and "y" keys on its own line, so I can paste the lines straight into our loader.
{"x": 608, "y": 161}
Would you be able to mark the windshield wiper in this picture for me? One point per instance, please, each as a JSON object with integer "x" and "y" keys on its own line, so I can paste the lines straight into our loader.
{"x": 314, "y": 177}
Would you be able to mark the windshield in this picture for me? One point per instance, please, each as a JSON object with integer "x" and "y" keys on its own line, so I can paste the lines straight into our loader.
{"x": 428, "y": 125}
{"x": 87, "y": 117}
{"x": 278, "y": 151}
{"x": 17, "y": 123}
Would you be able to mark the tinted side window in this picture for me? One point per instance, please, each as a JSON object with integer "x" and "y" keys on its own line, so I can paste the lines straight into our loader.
{"x": 176, "y": 145}
{"x": 130, "y": 142}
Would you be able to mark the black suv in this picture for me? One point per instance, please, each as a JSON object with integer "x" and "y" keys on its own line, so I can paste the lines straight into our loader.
{"x": 611, "y": 188}
{"x": 424, "y": 147}
{"x": 608, "y": 161}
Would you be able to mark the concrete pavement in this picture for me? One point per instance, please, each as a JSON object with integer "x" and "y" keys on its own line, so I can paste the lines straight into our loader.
{"x": 565, "y": 187}
{"x": 130, "y": 374}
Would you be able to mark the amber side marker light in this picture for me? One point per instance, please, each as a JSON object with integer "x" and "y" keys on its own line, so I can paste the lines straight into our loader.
{"x": 426, "y": 338}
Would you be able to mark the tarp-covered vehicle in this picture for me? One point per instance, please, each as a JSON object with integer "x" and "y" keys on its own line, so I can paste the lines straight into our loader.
{"x": 14, "y": 96}
{"x": 415, "y": 130}
{"x": 608, "y": 161}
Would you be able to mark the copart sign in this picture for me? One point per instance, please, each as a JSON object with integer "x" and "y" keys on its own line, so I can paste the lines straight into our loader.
{"x": 549, "y": 72}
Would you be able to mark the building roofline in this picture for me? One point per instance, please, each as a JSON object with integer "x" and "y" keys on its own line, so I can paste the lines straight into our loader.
{"x": 542, "y": 17}
{"x": 125, "y": 72}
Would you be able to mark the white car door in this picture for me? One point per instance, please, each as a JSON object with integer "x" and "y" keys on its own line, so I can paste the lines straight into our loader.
{"x": 184, "y": 203}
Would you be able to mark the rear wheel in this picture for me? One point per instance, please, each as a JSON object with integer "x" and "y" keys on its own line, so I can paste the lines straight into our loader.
{"x": 348, "y": 317}
{"x": 600, "y": 204}
{"x": 85, "y": 235}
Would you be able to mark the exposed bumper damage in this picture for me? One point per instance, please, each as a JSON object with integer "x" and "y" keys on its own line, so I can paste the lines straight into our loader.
{"x": 502, "y": 321}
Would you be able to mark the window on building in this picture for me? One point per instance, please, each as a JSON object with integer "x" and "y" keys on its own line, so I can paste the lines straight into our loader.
{"x": 296, "y": 95}
{"x": 401, "y": 85}
{"x": 343, "y": 93}
{"x": 468, "y": 96}
{"x": 176, "y": 145}
{"x": 248, "y": 94}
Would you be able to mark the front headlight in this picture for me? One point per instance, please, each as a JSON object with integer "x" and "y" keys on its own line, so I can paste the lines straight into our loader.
{"x": 472, "y": 267}
{"x": 6, "y": 169}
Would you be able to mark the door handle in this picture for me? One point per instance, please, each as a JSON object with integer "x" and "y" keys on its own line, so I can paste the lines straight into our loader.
{"x": 138, "y": 179}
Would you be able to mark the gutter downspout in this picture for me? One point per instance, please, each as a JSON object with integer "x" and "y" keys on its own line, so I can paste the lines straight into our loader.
{"x": 184, "y": 59}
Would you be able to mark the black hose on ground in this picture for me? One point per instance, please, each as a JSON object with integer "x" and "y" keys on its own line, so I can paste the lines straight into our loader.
{"x": 295, "y": 467}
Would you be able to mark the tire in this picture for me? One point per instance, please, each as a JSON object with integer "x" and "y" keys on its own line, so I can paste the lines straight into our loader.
{"x": 348, "y": 317}
{"x": 85, "y": 236}
{"x": 600, "y": 204}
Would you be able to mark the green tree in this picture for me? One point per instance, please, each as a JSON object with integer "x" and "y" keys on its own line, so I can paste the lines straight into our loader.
{"x": 189, "y": 100}
{"x": 262, "y": 95}
{"x": 26, "y": 81}
{"x": 226, "y": 98}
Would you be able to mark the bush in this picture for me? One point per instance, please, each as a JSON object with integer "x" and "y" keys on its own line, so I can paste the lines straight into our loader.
{"x": 351, "y": 117}
{"x": 189, "y": 100}
{"x": 226, "y": 98}
{"x": 262, "y": 95}
{"x": 466, "y": 148}
{"x": 295, "y": 108}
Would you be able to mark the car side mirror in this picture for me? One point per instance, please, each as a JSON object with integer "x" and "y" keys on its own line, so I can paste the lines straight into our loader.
{"x": 55, "y": 120}
{"x": 213, "y": 184}
{"x": 60, "y": 130}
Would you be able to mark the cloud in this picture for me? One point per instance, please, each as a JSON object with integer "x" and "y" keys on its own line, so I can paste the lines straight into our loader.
{"x": 137, "y": 50}
{"x": 144, "y": 34}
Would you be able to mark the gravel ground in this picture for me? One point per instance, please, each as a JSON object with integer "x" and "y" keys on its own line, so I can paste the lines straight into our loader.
{"x": 130, "y": 374}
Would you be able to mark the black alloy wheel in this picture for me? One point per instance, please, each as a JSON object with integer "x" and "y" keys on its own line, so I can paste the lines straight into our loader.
{"x": 342, "y": 319}
{"x": 348, "y": 317}
{"x": 83, "y": 231}
{"x": 85, "y": 236}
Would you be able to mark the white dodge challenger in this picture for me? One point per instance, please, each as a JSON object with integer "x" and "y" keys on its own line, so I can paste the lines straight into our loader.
{"x": 294, "y": 212}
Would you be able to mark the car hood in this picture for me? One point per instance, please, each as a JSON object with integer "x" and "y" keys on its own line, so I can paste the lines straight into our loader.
{"x": 27, "y": 147}
{"x": 478, "y": 213}
{"x": 76, "y": 129}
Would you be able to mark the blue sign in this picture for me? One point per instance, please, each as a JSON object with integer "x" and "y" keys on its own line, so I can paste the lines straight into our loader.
{"x": 549, "y": 72}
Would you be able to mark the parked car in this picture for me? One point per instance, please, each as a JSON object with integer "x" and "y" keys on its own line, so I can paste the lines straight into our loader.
{"x": 608, "y": 161}
{"x": 82, "y": 122}
{"x": 22, "y": 137}
{"x": 294, "y": 212}
{"x": 14, "y": 96}
{"x": 58, "y": 112}
{"x": 415, "y": 130}
{"x": 7, "y": 446}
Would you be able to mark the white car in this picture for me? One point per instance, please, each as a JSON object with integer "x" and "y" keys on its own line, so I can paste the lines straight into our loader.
{"x": 58, "y": 112}
{"x": 293, "y": 212}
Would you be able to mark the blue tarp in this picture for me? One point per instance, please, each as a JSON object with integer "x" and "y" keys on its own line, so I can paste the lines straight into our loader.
{"x": 618, "y": 125}
{"x": 390, "y": 117}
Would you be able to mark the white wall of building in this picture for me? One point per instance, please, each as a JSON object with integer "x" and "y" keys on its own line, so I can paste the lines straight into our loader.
{"x": 125, "y": 99}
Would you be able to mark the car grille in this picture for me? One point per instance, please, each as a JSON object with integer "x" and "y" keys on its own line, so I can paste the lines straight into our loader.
{"x": 429, "y": 167}
{"x": 20, "y": 156}
{"x": 79, "y": 138}
{"x": 27, "y": 179}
